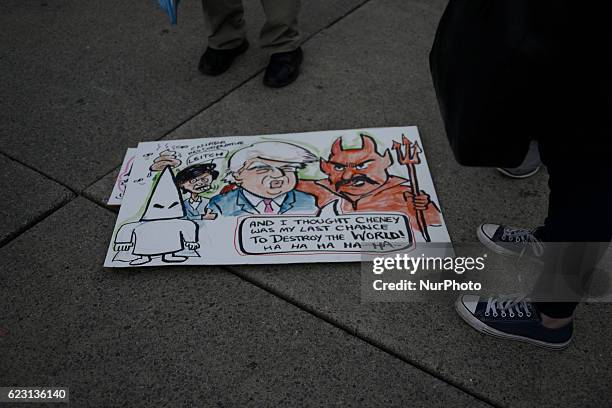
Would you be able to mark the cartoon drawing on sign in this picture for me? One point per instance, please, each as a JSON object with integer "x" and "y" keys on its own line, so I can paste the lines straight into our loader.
{"x": 195, "y": 180}
{"x": 262, "y": 180}
{"x": 161, "y": 230}
{"x": 329, "y": 196}
{"x": 167, "y": 158}
{"x": 359, "y": 178}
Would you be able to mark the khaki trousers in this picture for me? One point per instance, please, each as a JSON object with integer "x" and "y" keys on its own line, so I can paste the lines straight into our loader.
{"x": 226, "y": 26}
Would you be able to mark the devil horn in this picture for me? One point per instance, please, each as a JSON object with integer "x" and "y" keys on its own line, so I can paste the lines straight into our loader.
{"x": 368, "y": 144}
{"x": 336, "y": 147}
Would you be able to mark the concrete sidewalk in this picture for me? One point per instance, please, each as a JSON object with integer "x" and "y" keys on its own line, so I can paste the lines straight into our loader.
{"x": 84, "y": 80}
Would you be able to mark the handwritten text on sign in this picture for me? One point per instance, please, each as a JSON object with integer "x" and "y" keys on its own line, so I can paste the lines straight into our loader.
{"x": 340, "y": 233}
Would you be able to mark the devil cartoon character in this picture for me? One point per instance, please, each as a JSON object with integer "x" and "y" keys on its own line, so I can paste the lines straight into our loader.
{"x": 161, "y": 229}
{"x": 359, "y": 179}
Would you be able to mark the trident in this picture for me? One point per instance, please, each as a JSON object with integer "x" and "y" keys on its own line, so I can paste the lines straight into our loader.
{"x": 410, "y": 158}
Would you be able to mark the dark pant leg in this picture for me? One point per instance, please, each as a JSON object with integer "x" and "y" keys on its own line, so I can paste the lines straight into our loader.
{"x": 280, "y": 33}
{"x": 225, "y": 24}
{"x": 580, "y": 211}
{"x": 572, "y": 116}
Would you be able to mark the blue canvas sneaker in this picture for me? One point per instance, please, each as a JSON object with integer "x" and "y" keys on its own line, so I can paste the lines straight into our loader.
{"x": 510, "y": 241}
{"x": 511, "y": 317}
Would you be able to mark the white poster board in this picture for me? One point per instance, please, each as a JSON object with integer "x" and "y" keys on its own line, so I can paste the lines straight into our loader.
{"x": 122, "y": 179}
{"x": 288, "y": 198}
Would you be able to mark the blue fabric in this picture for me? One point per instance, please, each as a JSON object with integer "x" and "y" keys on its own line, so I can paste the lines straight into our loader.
{"x": 234, "y": 203}
{"x": 170, "y": 6}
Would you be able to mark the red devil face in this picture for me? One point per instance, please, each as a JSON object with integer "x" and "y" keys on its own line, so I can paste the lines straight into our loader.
{"x": 357, "y": 172}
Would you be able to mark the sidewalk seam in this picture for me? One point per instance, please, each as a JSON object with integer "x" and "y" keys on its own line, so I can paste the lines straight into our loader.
{"x": 360, "y": 336}
{"x": 34, "y": 169}
{"x": 41, "y": 217}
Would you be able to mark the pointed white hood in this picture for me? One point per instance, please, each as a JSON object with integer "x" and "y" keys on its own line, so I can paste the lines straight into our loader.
{"x": 165, "y": 202}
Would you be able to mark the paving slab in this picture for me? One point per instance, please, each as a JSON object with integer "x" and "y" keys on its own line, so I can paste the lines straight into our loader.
{"x": 90, "y": 78}
{"x": 177, "y": 336}
{"x": 27, "y": 196}
{"x": 433, "y": 337}
{"x": 371, "y": 70}
{"x": 101, "y": 190}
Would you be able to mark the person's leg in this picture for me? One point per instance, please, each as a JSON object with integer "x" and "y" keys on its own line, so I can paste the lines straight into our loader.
{"x": 576, "y": 233}
{"x": 576, "y": 154}
{"x": 280, "y": 36}
{"x": 578, "y": 217}
{"x": 225, "y": 24}
{"x": 280, "y": 33}
{"x": 226, "y": 35}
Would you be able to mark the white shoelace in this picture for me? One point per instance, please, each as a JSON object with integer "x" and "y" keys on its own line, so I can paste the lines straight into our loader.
{"x": 510, "y": 305}
{"x": 526, "y": 237}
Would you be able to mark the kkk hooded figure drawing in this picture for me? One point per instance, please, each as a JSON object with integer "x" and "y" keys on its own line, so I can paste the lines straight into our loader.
{"x": 162, "y": 229}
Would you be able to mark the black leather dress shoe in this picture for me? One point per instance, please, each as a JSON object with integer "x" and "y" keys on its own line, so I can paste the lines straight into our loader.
{"x": 216, "y": 62}
{"x": 283, "y": 68}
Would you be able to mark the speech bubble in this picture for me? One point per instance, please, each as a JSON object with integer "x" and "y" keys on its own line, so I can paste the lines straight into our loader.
{"x": 204, "y": 156}
{"x": 324, "y": 233}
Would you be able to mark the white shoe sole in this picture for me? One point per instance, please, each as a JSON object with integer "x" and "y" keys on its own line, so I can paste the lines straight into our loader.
{"x": 518, "y": 176}
{"x": 469, "y": 318}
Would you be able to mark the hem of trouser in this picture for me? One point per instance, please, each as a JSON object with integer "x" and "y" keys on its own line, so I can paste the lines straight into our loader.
{"x": 275, "y": 49}
{"x": 557, "y": 310}
{"x": 269, "y": 49}
{"x": 227, "y": 45}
